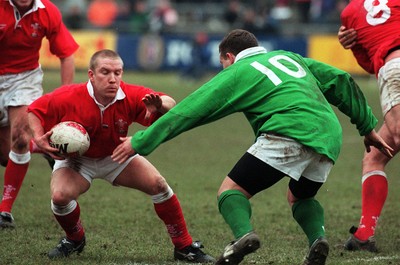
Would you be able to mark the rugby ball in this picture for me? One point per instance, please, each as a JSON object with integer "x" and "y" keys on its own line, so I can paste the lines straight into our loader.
{"x": 70, "y": 138}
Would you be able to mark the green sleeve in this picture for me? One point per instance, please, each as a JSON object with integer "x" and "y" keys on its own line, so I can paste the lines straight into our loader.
{"x": 342, "y": 91}
{"x": 208, "y": 103}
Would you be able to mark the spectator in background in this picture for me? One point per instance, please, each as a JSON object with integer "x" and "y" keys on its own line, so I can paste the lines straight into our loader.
{"x": 163, "y": 17}
{"x": 200, "y": 57}
{"x": 258, "y": 21}
{"x": 121, "y": 22}
{"x": 232, "y": 14}
{"x": 281, "y": 10}
{"x": 140, "y": 18}
{"x": 74, "y": 16}
{"x": 304, "y": 8}
{"x": 133, "y": 17}
{"x": 102, "y": 13}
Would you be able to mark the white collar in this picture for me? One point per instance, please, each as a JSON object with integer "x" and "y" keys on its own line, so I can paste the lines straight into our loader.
{"x": 250, "y": 52}
{"x": 120, "y": 95}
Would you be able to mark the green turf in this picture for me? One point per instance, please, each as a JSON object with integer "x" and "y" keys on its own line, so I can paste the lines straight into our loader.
{"x": 122, "y": 228}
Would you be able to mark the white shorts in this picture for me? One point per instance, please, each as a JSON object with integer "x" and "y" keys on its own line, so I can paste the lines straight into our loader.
{"x": 19, "y": 90}
{"x": 94, "y": 168}
{"x": 389, "y": 85}
{"x": 291, "y": 157}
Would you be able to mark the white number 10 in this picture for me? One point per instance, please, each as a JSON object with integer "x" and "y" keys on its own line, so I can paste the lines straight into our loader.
{"x": 275, "y": 62}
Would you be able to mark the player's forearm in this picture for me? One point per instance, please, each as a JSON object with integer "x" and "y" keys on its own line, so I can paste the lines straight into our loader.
{"x": 67, "y": 70}
{"x": 35, "y": 126}
{"x": 167, "y": 104}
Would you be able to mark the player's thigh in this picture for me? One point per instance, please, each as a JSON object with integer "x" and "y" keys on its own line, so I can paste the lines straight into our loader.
{"x": 66, "y": 184}
{"x": 254, "y": 175}
{"x": 19, "y": 128}
{"x": 392, "y": 122}
{"x": 140, "y": 174}
{"x": 303, "y": 188}
{"x": 375, "y": 160}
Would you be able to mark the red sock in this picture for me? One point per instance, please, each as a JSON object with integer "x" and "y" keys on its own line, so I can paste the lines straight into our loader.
{"x": 374, "y": 193}
{"x": 13, "y": 177}
{"x": 170, "y": 212}
{"x": 71, "y": 223}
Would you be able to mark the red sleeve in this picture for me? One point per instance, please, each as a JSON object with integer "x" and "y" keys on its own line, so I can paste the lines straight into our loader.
{"x": 41, "y": 108}
{"x": 134, "y": 96}
{"x": 363, "y": 59}
{"x": 62, "y": 44}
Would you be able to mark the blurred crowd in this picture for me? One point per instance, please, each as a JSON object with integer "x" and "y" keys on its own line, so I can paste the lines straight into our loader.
{"x": 160, "y": 16}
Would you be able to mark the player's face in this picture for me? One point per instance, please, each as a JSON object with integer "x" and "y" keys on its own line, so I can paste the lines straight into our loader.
{"x": 106, "y": 79}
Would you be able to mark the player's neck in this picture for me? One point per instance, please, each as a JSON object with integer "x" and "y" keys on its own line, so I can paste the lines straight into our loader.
{"x": 22, "y": 9}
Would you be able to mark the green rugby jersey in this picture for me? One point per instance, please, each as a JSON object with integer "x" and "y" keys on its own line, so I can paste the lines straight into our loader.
{"x": 279, "y": 92}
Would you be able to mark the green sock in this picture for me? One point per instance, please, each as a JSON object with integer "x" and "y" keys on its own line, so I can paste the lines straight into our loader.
{"x": 309, "y": 214}
{"x": 236, "y": 210}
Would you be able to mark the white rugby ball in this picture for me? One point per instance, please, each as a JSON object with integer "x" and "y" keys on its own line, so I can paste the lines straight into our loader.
{"x": 70, "y": 138}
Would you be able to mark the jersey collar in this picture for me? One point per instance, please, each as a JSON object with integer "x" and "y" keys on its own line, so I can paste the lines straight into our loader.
{"x": 250, "y": 52}
{"x": 120, "y": 95}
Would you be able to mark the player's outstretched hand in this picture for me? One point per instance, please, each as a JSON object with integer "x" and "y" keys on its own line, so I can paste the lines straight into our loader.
{"x": 153, "y": 103}
{"x": 347, "y": 37}
{"x": 123, "y": 151}
{"x": 373, "y": 139}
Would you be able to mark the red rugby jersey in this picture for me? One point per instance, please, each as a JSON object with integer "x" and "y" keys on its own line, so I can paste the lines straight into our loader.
{"x": 104, "y": 125}
{"x": 21, "y": 37}
{"x": 378, "y": 28}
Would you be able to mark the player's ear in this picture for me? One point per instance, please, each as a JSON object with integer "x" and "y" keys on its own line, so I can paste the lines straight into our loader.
{"x": 231, "y": 57}
{"x": 90, "y": 74}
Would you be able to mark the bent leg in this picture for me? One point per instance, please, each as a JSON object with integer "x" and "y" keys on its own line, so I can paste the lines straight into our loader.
{"x": 307, "y": 211}
{"x": 140, "y": 174}
{"x": 66, "y": 185}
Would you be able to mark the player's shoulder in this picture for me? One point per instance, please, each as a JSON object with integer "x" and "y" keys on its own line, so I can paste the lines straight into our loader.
{"x": 49, "y": 7}
{"x": 73, "y": 90}
{"x": 134, "y": 89}
{"x": 48, "y": 3}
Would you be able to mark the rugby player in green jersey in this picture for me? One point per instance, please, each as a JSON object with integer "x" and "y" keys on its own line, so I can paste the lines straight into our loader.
{"x": 286, "y": 99}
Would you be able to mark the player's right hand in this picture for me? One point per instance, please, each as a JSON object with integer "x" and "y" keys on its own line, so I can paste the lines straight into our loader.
{"x": 43, "y": 143}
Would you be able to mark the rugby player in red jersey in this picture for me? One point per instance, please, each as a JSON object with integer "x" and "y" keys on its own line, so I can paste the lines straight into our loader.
{"x": 106, "y": 106}
{"x": 371, "y": 29}
{"x": 23, "y": 26}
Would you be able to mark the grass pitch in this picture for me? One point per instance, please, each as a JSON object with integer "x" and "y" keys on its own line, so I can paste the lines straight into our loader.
{"x": 122, "y": 227}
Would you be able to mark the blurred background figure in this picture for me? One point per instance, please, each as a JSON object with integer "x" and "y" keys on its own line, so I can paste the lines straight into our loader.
{"x": 232, "y": 14}
{"x": 75, "y": 14}
{"x": 102, "y": 13}
{"x": 304, "y": 8}
{"x": 140, "y": 18}
{"x": 164, "y": 17}
{"x": 200, "y": 55}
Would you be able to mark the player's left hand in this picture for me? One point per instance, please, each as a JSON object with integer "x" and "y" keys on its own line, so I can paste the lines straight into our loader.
{"x": 153, "y": 104}
{"x": 373, "y": 139}
{"x": 347, "y": 37}
{"x": 123, "y": 151}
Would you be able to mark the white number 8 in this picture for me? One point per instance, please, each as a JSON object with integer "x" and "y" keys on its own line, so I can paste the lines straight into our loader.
{"x": 377, "y": 11}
